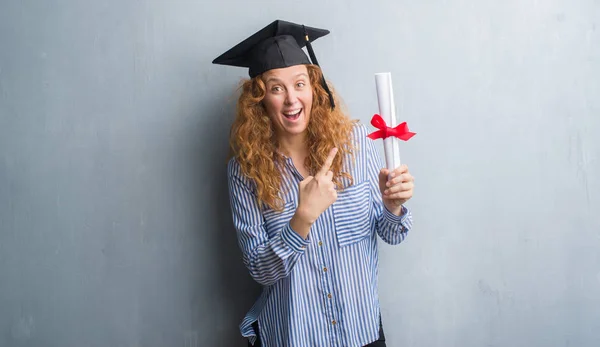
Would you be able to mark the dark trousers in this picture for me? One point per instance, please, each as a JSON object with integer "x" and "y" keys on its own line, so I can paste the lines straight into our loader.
{"x": 379, "y": 343}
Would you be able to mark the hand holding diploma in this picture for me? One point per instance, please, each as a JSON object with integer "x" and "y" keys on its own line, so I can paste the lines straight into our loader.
{"x": 395, "y": 181}
{"x": 396, "y": 188}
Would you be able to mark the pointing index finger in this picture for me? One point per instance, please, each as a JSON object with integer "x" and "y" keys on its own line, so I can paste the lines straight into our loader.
{"x": 327, "y": 165}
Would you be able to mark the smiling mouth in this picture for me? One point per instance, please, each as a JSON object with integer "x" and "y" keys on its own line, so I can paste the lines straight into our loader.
{"x": 292, "y": 115}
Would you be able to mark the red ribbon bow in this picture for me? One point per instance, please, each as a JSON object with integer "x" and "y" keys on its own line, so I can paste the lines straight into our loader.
{"x": 400, "y": 131}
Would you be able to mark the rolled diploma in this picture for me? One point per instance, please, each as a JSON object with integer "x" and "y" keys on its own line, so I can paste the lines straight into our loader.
{"x": 387, "y": 111}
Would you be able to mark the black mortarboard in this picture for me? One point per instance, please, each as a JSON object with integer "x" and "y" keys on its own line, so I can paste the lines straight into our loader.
{"x": 277, "y": 45}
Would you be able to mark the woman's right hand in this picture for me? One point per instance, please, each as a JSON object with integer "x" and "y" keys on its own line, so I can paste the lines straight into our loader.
{"x": 315, "y": 195}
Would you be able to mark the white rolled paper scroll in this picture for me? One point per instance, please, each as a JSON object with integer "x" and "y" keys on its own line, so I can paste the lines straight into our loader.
{"x": 387, "y": 111}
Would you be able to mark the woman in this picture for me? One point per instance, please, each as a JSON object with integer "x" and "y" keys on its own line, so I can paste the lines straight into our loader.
{"x": 308, "y": 199}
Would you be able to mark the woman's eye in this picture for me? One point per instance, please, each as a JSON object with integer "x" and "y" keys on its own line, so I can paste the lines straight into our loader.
{"x": 300, "y": 84}
{"x": 276, "y": 89}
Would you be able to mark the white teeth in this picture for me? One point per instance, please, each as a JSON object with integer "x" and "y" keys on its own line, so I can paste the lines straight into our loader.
{"x": 292, "y": 113}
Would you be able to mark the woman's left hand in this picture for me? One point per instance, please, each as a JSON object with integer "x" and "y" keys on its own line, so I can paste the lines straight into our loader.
{"x": 396, "y": 188}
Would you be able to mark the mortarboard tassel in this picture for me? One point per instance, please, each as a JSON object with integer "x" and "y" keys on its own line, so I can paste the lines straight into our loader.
{"x": 313, "y": 58}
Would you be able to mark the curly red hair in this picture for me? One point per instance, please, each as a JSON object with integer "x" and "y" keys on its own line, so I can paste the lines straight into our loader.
{"x": 254, "y": 144}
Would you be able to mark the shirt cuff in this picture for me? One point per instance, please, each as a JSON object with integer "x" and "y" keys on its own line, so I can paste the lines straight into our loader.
{"x": 293, "y": 240}
{"x": 392, "y": 218}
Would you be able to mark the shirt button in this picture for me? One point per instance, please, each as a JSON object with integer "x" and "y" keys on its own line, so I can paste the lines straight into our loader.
{"x": 320, "y": 243}
{"x": 333, "y": 322}
{"x": 325, "y": 269}
{"x": 329, "y": 296}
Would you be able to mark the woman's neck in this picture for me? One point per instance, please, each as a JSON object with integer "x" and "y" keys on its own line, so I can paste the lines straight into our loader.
{"x": 296, "y": 149}
{"x": 294, "y": 146}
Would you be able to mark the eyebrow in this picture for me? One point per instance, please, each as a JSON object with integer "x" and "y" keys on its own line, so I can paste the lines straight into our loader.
{"x": 275, "y": 79}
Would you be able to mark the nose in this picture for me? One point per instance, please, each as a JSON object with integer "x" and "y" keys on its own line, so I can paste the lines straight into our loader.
{"x": 290, "y": 97}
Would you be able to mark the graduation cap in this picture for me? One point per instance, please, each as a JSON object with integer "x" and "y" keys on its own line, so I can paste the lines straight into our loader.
{"x": 278, "y": 45}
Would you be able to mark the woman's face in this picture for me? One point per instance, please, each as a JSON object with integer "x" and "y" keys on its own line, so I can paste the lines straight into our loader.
{"x": 288, "y": 99}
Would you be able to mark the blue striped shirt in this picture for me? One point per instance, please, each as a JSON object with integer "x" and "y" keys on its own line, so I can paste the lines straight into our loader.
{"x": 321, "y": 291}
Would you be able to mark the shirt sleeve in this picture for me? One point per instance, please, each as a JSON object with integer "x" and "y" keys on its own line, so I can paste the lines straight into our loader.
{"x": 267, "y": 259}
{"x": 391, "y": 228}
